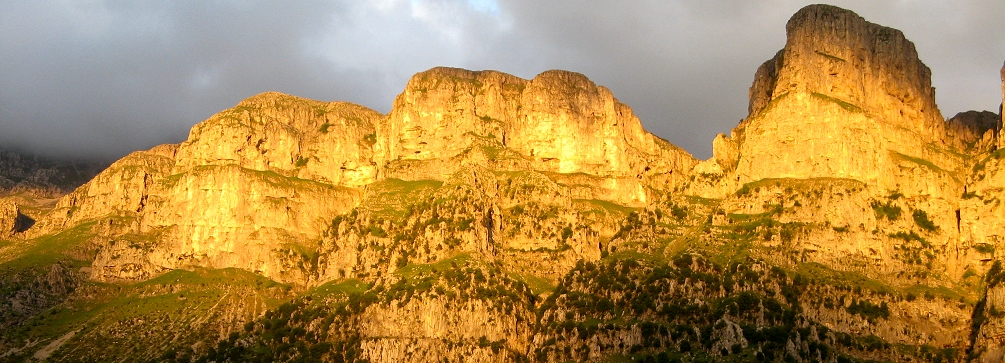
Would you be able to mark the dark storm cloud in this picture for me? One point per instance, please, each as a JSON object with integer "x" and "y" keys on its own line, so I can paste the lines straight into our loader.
{"x": 100, "y": 78}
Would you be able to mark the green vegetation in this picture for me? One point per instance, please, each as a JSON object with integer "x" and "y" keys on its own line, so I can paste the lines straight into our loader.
{"x": 921, "y": 219}
{"x": 869, "y": 310}
{"x": 831, "y": 57}
{"x": 925, "y": 163}
{"x": 844, "y": 104}
{"x": 771, "y": 104}
{"x": 984, "y": 248}
{"x": 370, "y": 138}
{"x": 886, "y": 210}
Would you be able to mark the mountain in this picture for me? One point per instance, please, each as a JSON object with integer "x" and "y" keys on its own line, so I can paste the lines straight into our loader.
{"x": 491, "y": 218}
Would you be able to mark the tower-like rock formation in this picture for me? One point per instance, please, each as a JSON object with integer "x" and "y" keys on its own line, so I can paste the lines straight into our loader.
{"x": 8, "y": 218}
{"x": 558, "y": 122}
{"x": 847, "y": 104}
{"x": 845, "y": 98}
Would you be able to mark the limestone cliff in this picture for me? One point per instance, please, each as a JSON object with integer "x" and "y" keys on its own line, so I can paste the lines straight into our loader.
{"x": 844, "y": 98}
{"x": 988, "y": 336}
{"x": 976, "y": 129}
{"x": 8, "y": 218}
{"x": 848, "y": 101}
{"x": 557, "y": 122}
{"x": 497, "y": 219}
{"x": 256, "y": 186}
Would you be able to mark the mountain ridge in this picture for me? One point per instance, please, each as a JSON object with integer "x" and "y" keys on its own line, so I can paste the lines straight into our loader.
{"x": 492, "y": 218}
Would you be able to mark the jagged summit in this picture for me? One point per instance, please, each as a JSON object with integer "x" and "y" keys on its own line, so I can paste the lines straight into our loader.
{"x": 845, "y": 98}
{"x": 558, "y": 121}
{"x": 833, "y": 51}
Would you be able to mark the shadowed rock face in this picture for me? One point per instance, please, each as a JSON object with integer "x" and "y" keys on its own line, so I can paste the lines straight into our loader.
{"x": 39, "y": 177}
{"x": 970, "y": 126}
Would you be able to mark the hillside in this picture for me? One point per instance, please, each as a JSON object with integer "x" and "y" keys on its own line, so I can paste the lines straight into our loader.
{"x": 490, "y": 218}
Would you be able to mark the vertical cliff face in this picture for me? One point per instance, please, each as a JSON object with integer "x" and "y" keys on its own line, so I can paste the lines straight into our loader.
{"x": 848, "y": 101}
{"x": 8, "y": 218}
{"x": 972, "y": 127}
{"x": 330, "y": 142}
{"x": 988, "y": 335}
{"x": 491, "y": 218}
{"x": 558, "y": 122}
{"x": 838, "y": 53}
{"x": 255, "y": 186}
{"x": 845, "y": 98}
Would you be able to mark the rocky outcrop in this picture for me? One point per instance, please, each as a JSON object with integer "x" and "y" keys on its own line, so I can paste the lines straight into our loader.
{"x": 8, "y": 218}
{"x": 329, "y": 142}
{"x": 256, "y": 186}
{"x": 557, "y": 122}
{"x": 493, "y": 218}
{"x": 972, "y": 127}
{"x": 848, "y": 101}
{"x": 988, "y": 336}
{"x": 845, "y": 98}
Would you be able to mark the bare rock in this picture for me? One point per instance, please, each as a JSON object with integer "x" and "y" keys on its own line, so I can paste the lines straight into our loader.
{"x": 988, "y": 337}
{"x": 970, "y": 126}
{"x": 557, "y": 122}
{"x": 8, "y": 218}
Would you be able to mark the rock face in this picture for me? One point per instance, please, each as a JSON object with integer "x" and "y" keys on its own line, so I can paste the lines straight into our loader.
{"x": 497, "y": 219}
{"x": 988, "y": 337}
{"x": 971, "y": 126}
{"x": 8, "y": 218}
{"x": 557, "y": 122}
{"x": 258, "y": 184}
{"x": 327, "y": 142}
{"x": 845, "y": 101}
{"x": 844, "y": 98}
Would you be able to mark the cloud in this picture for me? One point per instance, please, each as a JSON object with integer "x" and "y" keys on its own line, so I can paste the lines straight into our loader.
{"x": 101, "y": 78}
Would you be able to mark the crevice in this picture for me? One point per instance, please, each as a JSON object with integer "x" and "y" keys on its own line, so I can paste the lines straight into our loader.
{"x": 957, "y": 221}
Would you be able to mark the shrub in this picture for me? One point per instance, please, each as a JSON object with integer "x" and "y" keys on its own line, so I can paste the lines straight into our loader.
{"x": 869, "y": 310}
{"x": 921, "y": 219}
{"x": 984, "y": 248}
{"x": 886, "y": 210}
{"x": 678, "y": 212}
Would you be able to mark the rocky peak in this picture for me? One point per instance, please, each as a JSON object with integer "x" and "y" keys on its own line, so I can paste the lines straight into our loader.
{"x": 325, "y": 141}
{"x": 845, "y": 98}
{"x": 836, "y": 53}
{"x": 970, "y": 126}
{"x": 559, "y": 121}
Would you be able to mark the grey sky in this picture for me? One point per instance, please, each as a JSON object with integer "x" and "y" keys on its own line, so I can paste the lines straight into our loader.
{"x": 102, "y": 78}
